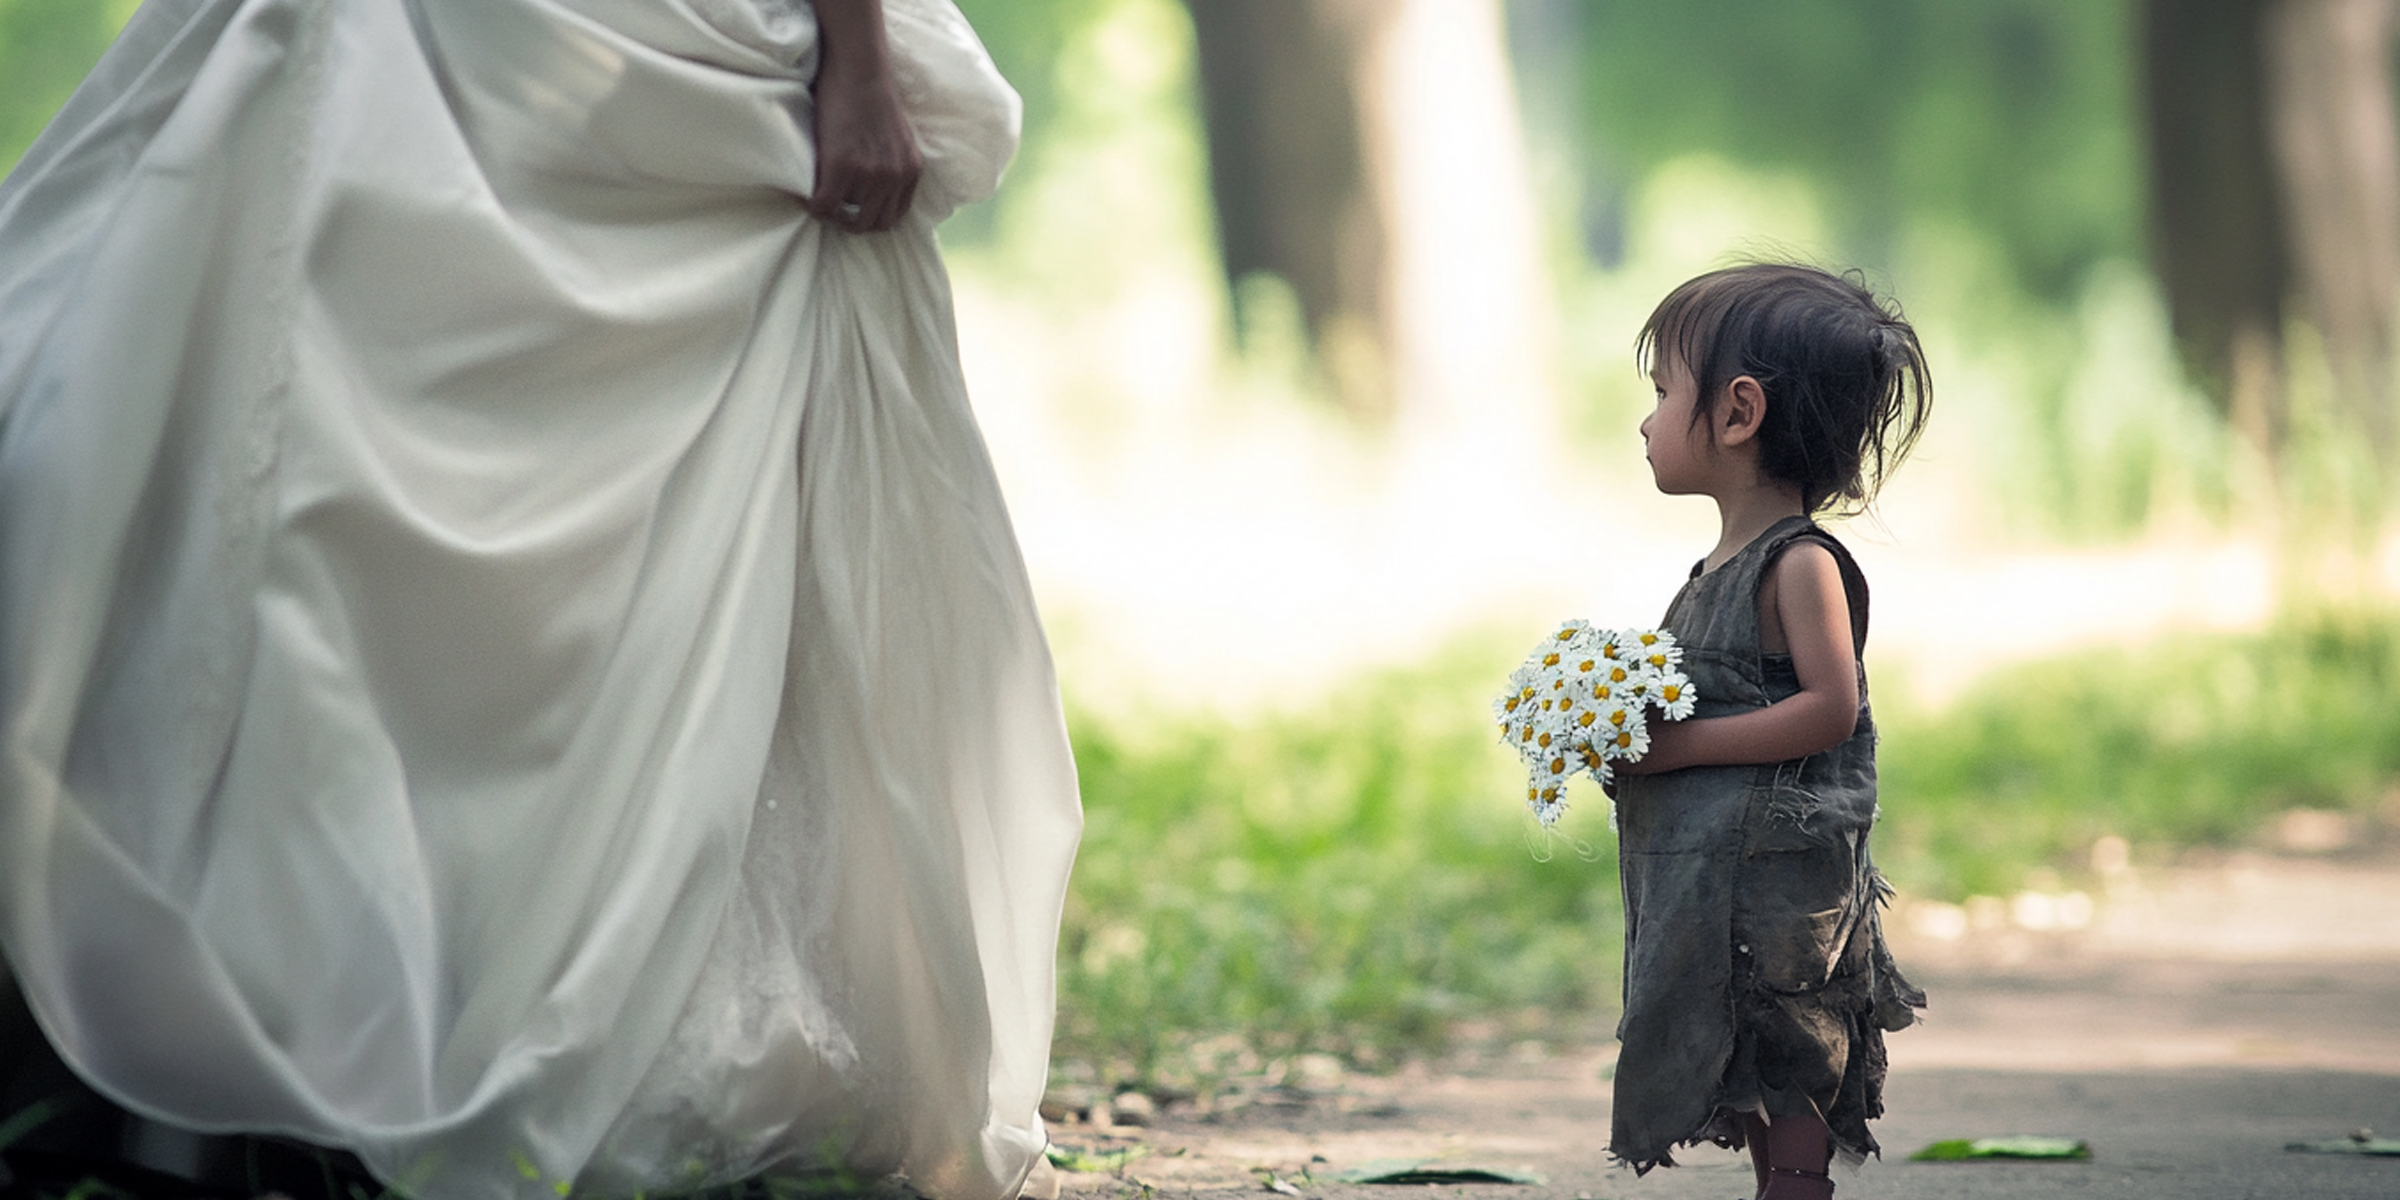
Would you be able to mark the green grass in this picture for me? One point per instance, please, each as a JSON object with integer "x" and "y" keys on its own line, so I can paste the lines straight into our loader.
{"x": 1357, "y": 878}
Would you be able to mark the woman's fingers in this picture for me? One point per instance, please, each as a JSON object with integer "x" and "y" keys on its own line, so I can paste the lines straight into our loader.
{"x": 863, "y": 196}
{"x": 863, "y": 188}
{"x": 867, "y": 157}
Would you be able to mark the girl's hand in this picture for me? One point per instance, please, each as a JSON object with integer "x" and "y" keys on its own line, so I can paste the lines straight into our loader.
{"x": 867, "y": 158}
{"x": 1669, "y": 744}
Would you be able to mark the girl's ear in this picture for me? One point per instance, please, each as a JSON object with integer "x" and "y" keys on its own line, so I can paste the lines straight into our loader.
{"x": 1742, "y": 411}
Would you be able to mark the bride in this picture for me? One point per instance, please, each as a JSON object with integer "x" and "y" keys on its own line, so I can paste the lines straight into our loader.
{"x": 513, "y": 662}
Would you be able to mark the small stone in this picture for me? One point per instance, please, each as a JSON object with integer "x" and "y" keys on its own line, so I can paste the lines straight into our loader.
{"x": 2314, "y": 831}
{"x": 1319, "y": 1072}
{"x": 1132, "y": 1108}
{"x": 1063, "y": 1104}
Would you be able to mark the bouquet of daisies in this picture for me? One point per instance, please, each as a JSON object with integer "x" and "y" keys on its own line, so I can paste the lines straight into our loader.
{"x": 1581, "y": 703}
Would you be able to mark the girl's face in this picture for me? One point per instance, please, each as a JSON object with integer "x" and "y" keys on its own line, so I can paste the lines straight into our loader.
{"x": 1679, "y": 448}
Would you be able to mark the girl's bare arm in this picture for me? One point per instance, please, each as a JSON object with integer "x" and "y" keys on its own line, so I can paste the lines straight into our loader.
{"x": 1815, "y": 614}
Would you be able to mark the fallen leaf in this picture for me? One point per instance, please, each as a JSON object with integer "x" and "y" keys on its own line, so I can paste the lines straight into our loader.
{"x": 2017, "y": 1146}
{"x": 1421, "y": 1170}
{"x": 2362, "y": 1142}
{"x": 1082, "y": 1161}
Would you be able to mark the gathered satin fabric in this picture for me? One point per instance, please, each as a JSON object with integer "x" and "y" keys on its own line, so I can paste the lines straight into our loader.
{"x": 512, "y": 658}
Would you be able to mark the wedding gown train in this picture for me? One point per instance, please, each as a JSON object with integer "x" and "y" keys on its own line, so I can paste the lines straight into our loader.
{"x": 512, "y": 658}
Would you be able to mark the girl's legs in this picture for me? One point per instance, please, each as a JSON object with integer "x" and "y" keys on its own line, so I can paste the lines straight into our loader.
{"x": 1799, "y": 1148}
{"x": 1754, "y": 1139}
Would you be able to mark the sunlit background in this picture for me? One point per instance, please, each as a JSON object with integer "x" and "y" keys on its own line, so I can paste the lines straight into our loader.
{"x": 1302, "y": 335}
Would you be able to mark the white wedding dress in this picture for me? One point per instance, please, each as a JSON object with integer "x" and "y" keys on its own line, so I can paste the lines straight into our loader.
{"x": 512, "y": 658}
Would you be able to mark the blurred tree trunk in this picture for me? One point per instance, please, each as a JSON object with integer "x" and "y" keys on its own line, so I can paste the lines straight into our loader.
{"x": 1281, "y": 84}
{"x": 2216, "y": 223}
{"x": 2337, "y": 155}
{"x": 2275, "y": 178}
{"x": 1370, "y": 153}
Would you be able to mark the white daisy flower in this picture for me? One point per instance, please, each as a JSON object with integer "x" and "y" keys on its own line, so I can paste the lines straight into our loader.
{"x": 1547, "y": 805}
{"x": 1676, "y": 698}
{"x": 1609, "y": 643}
{"x": 1615, "y": 717}
{"x": 1597, "y": 766}
{"x": 1632, "y": 740}
{"x": 1505, "y": 706}
{"x": 1655, "y": 648}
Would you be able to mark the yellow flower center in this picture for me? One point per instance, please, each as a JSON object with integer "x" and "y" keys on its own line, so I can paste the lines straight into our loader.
{"x": 1587, "y": 719}
{"x": 1550, "y": 659}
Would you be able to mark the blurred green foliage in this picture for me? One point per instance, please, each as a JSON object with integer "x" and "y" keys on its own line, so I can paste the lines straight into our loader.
{"x": 2012, "y": 117}
{"x": 46, "y": 46}
{"x": 2189, "y": 741}
{"x": 1982, "y": 159}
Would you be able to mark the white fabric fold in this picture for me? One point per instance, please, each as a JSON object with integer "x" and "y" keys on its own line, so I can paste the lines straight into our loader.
{"x": 513, "y": 660}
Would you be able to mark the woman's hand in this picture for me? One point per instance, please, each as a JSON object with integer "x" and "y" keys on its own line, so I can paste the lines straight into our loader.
{"x": 867, "y": 159}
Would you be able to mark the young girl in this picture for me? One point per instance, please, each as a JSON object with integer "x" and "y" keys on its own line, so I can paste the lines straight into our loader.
{"x": 1757, "y": 984}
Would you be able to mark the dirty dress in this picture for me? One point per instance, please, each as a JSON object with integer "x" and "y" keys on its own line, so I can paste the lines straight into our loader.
{"x": 1756, "y": 976}
{"x": 513, "y": 660}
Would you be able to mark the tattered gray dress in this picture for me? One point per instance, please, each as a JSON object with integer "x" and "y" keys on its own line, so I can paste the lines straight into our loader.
{"x": 1756, "y": 976}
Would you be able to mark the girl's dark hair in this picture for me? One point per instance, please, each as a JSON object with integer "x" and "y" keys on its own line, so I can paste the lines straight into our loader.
{"x": 1845, "y": 380}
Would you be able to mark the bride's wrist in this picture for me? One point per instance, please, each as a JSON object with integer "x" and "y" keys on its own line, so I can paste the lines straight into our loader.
{"x": 850, "y": 41}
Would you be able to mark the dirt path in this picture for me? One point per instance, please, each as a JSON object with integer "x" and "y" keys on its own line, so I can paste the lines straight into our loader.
{"x": 2188, "y": 1030}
